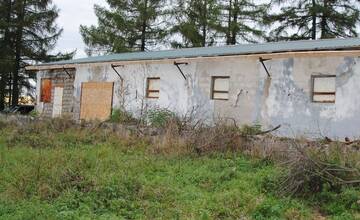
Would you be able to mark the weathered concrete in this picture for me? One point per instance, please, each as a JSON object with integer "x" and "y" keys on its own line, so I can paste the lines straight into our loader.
{"x": 59, "y": 78}
{"x": 284, "y": 99}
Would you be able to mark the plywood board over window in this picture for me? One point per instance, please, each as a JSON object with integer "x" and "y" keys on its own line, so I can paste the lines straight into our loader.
{"x": 45, "y": 94}
{"x": 220, "y": 87}
{"x": 153, "y": 88}
{"x": 96, "y": 100}
{"x": 324, "y": 88}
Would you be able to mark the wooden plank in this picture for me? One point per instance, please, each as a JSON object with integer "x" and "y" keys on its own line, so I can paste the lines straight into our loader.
{"x": 96, "y": 100}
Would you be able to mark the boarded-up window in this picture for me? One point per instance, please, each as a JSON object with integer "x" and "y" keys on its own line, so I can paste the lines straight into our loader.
{"x": 220, "y": 87}
{"x": 324, "y": 88}
{"x": 153, "y": 88}
{"x": 45, "y": 94}
{"x": 96, "y": 100}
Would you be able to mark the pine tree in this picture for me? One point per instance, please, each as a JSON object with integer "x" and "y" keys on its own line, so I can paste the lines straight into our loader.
{"x": 197, "y": 23}
{"x": 339, "y": 18}
{"x": 312, "y": 19}
{"x": 129, "y": 25}
{"x": 241, "y": 20}
{"x": 5, "y": 49}
{"x": 29, "y": 35}
{"x": 36, "y": 34}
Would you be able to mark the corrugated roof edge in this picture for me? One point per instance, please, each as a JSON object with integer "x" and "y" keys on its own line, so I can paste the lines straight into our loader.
{"x": 242, "y": 49}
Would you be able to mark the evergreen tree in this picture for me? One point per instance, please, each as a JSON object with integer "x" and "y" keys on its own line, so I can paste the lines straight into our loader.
{"x": 312, "y": 19}
{"x": 36, "y": 34}
{"x": 129, "y": 25}
{"x": 241, "y": 20}
{"x": 31, "y": 35}
{"x": 5, "y": 49}
{"x": 197, "y": 23}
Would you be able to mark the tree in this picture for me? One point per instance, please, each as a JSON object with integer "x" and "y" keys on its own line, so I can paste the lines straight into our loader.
{"x": 241, "y": 20}
{"x": 36, "y": 34}
{"x": 29, "y": 35}
{"x": 197, "y": 23}
{"x": 129, "y": 25}
{"x": 5, "y": 48}
{"x": 312, "y": 19}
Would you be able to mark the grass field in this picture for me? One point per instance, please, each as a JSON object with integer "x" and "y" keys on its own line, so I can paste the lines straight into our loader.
{"x": 86, "y": 176}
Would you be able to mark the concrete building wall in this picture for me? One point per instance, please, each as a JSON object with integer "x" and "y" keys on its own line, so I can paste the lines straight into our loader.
{"x": 284, "y": 99}
{"x": 58, "y": 78}
{"x": 289, "y": 100}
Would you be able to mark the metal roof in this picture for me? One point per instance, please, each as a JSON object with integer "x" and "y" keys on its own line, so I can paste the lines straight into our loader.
{"x": 243, "y": 49}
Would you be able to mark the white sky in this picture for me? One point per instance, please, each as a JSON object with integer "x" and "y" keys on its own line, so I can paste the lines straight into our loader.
{"x": 72, "y": 14}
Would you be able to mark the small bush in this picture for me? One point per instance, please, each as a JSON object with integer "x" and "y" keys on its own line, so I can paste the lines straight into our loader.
{"x": 34, "y": 113}
{"x": 121, "y": 116}
{"x": 160, "y": 117}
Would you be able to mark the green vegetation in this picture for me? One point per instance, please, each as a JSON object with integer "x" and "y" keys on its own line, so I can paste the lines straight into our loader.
{"x": 59, "y": 170}
{"x": 121, "y": 116}
{"x": 160, "y": 117}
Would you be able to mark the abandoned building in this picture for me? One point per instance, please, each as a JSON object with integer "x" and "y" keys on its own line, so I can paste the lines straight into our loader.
{"x": 310, "y": 88}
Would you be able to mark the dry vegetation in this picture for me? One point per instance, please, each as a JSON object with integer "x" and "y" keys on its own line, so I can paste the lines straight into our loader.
{"x": 323, "y": 174}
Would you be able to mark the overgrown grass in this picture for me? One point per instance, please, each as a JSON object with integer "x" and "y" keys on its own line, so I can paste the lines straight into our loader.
{"x": 59, "y": 170}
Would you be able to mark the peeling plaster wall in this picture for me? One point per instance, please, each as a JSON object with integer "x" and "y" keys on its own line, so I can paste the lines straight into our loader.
{"x": 289, "y": 101}
{"x": 173, "y": 95}
{"x": 284, "y": 99}
{"x": 59, "y": 78}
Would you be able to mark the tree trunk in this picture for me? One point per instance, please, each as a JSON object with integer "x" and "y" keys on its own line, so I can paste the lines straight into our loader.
{"x": 313, "y": 29}
{"x": 235, "y": 20}
{"x": 323, "y": 21}
{"x": 228, "y": 34}
{"x": 18, "y": 46}
{"x": 205, "y": 24}
{"x": 144, "y": 27}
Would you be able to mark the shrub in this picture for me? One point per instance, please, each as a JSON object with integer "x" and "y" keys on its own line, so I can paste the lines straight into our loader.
{"x": 160, "y": 117}
{"x": 121, "y": 116}
{"x": 34, "y": 113}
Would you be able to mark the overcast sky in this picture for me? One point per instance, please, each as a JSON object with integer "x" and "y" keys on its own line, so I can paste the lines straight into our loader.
{"x": 72, "y": 14}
